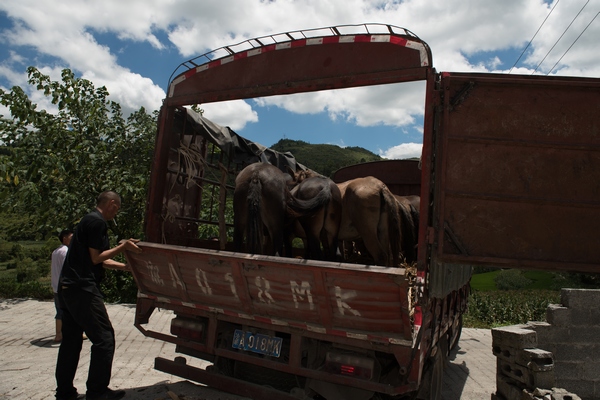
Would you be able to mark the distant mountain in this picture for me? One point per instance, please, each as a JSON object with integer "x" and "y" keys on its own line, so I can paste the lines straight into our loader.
{"x": 325, "y": 158}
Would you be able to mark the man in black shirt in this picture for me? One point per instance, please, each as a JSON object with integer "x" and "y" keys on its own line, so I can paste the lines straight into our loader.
{"x": 83, "y": 305}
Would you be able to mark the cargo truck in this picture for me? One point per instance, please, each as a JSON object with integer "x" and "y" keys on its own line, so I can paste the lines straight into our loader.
{"x": 509, "y": 177}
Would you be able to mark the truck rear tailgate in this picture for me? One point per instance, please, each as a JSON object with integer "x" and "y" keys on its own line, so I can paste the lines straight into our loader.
{"x": 367, "y": 302}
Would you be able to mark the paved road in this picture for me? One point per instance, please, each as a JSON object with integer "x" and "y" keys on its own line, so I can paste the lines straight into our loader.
{"x": 28, "y": 357}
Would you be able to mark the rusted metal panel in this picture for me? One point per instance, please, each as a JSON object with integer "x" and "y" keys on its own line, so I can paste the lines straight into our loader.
{"x": 370, "y": 303}
{"x": 316, "y": 295}
{"x": 518, "y": 172}
{"x": 402, "y": 177}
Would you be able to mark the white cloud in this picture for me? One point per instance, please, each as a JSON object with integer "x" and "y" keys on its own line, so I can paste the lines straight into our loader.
{"x": 70, "y": 33}
{"x": 402, "y": 151}
{"x": 56, "y": 31}
{"x": 234, "y": 114}
{"x": 377, "y": 105}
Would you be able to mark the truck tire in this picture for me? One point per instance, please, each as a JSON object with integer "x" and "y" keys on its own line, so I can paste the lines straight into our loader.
{"x": 432, "y": 383}
{"x": 455, "y": 333}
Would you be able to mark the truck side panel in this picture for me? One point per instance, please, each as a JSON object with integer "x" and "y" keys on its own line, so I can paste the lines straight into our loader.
{"x": 518, "y": 166}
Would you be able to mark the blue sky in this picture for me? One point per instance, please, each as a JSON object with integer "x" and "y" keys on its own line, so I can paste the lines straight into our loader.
{"x": 133, "y": 47}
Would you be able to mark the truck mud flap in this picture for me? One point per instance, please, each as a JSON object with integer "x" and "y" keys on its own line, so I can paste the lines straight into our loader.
{"x": 220, "y": 382}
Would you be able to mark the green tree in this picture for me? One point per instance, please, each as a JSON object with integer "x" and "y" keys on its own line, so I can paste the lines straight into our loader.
{"x": 56, "y": 162}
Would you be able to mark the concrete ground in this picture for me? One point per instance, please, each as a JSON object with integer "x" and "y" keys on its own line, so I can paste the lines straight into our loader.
{"x": 28, "y": 359}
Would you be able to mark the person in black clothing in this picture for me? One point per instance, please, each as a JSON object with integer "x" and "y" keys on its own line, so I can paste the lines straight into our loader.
{"x": 83, "y": 305}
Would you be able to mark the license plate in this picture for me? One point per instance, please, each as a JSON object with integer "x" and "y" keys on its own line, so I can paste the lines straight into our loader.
{"x": 257, "y": 343}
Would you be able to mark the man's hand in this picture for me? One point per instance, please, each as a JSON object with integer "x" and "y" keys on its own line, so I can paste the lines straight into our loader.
{"x": 130, "y": 245}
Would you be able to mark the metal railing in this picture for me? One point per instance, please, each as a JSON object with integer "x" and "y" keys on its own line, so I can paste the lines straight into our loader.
{"x": 249, "y": 44}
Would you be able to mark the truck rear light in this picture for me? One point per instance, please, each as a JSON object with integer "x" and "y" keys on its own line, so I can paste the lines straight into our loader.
{"x": 349, "y": 365}
{"x": 187, "y": 329}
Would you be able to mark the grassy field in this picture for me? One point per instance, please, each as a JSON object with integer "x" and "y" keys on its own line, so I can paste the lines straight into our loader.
{"x": 539, "y": 280}
{"x": 507, "y": 297}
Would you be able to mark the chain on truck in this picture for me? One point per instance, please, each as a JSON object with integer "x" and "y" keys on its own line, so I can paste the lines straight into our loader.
{"x": 509, "y": 177}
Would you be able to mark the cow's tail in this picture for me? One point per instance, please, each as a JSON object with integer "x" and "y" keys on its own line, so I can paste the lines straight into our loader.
{"x": 395, "y": 236}
{"x": 254, "y": 223}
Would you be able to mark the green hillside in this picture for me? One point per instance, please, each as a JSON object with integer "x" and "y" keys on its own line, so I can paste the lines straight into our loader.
{"x": 325, "y": 158}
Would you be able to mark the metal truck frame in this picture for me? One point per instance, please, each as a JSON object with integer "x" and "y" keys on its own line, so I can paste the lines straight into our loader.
{"x": 510, "y": 177}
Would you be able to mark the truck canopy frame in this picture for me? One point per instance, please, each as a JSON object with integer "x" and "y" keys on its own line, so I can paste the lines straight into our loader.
{"x": 302, "y": 61}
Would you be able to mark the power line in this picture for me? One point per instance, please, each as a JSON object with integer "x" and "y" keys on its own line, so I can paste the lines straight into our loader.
{"x": 561, "y": 57}
{"x": 536, "y": 32}
{"x": 558, "y": 40}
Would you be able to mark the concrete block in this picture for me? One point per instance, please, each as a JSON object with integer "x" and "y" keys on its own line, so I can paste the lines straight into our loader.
{"x": 579, "y": 298}
{"x": 535, "y": 324}
{"x": 542, "y": 379}
{"x": 515, "y": 336}
{"x": 585, "y": 316}
{"x": 533, "y": 359}
{"x": 505, "y": 353}
{"x": 585, "y": 334}
{"x": 590, "y": 371}
{"x": 584, "y": 389}
{"x": 538, "y": 394}
{"x": 508, "y": 389}
{"x": 537, "y": 360}
{"x": 549, "y": 348}
{"x": 568, "y": 369}
{"x": 551, "y": 394}
{"x": 562, "y": 394}
{"x": 549, "y": 334}
{"x": 527, "y": 378}
{"x": 558, "y": 315}
{"x": 577, "y": 352}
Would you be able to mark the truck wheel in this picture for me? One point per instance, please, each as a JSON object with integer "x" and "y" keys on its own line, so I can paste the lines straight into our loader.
{"x": 456, "y": 332}
{"x": 431, "y": 386}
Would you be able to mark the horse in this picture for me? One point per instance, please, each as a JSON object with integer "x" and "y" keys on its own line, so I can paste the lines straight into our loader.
{"x": 263, "y": 206}
{"x": 370, "y": 212}
{"x": 323, "y": 226}
{"x": 408, "y": 207}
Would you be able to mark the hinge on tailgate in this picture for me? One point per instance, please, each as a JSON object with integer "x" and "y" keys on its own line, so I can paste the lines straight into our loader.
{"x": 461, "y": 95}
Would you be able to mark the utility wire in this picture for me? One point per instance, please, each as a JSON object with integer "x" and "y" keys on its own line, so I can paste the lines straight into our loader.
{"x": 558, "y": 40}
{"x": 536, "y": 32}
{"x": 561, "y": 57}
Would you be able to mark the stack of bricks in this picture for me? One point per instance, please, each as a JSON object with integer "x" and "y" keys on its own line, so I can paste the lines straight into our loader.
{"x": 521, "y": 366}
{"x": 572, "y": 334}
{"x": 535, "y": 359}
